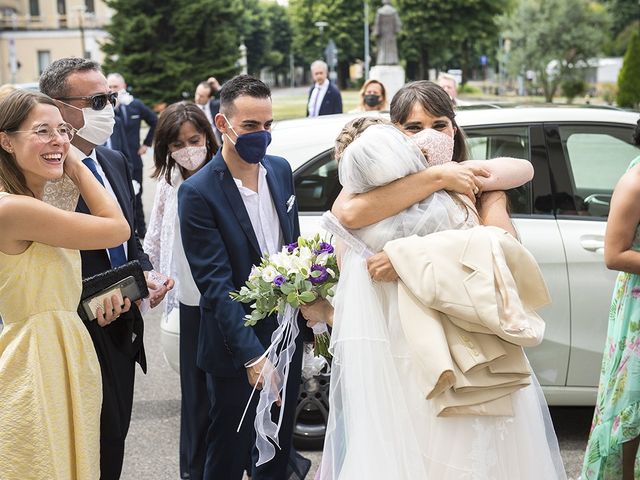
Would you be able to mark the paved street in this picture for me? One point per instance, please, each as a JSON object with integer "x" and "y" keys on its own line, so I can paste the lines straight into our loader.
{"x": 152, "y": 443}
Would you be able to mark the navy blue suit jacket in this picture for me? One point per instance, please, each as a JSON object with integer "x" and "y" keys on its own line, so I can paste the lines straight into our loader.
{"x": 331, "y": 103}
{"x": 221, "y": 247}
{"x": 133, "y": 114}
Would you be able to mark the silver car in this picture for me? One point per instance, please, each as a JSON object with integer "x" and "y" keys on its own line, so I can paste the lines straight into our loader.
{"x": 578, "y": 155}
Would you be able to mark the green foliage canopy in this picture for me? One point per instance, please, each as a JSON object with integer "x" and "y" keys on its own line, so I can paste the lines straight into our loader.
{"x": 629, "y": 78}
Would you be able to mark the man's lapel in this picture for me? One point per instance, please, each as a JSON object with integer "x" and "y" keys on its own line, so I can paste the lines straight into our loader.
{"x": 116, "y": 186}
{"x": 277, "y": 192}
{"x": 230, "y": 189}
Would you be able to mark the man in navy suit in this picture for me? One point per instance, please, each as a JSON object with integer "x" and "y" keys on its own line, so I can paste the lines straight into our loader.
{"x": 238, "y": 206}
{"x": 131, "y": 112}
{"x": 81, "y": 91}
{"x": 324, "y": 96}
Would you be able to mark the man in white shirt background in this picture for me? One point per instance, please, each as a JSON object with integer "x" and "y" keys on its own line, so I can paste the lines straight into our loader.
{"x": 324, "y": 96}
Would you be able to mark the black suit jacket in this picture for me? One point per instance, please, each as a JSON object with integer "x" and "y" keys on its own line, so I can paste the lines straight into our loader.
{"x": 331, "y": 103}
{"x": 118, "y": 141}
{"x": 131, "y": 118}
{"x": 120, "y": 331}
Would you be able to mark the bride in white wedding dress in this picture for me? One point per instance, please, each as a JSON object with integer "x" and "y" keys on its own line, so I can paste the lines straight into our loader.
{"x": 380, "y": 425}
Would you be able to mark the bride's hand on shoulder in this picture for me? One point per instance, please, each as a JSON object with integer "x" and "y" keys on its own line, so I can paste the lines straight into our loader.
{"x": 381, "y": 269}
{"x": 320, "y": 311}
{"x": 461, "y": 178}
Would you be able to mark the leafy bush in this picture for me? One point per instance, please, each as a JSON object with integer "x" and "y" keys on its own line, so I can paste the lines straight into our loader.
{"x": 469, "y": 89}
{"x": 572, "y": 88}
{"x": 629, "y": 78}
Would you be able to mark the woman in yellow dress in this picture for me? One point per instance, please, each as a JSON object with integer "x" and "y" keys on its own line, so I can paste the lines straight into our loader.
{"x": 50, "y": 386}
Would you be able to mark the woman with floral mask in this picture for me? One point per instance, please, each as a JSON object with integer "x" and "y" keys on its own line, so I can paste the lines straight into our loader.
{"x": 183, "y": 143}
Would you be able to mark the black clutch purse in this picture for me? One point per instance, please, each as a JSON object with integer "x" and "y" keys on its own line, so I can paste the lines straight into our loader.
{"x": 126, "y": 280}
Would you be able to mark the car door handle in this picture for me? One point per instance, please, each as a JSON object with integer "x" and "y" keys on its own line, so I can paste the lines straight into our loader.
{"x": 592, "y": 244}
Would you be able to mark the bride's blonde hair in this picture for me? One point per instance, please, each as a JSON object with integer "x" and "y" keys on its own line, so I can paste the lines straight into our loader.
{"x": 353, "y": 130}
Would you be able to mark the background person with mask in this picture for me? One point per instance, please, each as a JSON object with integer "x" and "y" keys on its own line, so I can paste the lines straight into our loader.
{"x": 81, "y": 91}
{"x": 373, "y": 97}
{"x": 204, "y": 98}
{"x": 131, "y": 112}
{"x": 183, "y": 143}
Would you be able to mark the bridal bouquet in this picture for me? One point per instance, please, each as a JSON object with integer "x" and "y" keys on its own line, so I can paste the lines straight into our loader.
{"x": 299, "y": 274}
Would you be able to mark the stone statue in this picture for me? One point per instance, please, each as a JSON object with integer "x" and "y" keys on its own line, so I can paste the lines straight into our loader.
{"x": 386, "y": 29}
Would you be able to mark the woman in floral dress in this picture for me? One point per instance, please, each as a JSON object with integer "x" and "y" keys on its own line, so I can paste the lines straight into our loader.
{"x": 615, "y": 432}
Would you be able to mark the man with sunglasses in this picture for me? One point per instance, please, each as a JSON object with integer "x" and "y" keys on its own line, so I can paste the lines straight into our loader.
{"x": 130, "y": 112}
{"x": 81, "y": 91}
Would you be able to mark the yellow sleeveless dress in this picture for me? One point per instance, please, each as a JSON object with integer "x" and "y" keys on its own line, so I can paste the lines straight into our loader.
{"x": 50, "y": 383}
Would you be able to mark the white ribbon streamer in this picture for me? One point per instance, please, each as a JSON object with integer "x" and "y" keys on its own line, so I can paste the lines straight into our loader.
{"x": 274, "y": 376}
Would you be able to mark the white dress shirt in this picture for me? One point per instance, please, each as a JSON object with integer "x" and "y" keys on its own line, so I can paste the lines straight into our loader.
{"x": 262, "y": 213}
{"x": 316, "y": 98}
{"x": 207, "y": 111}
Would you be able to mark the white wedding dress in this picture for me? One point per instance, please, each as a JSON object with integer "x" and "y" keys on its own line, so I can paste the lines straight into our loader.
{"x": 380, "y": 425}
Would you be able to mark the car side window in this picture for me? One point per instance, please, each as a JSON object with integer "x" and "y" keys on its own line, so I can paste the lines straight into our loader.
{"x": 486, "y": 143}
{"x": 597, "y": 158}
{"x": 317, "y": 184}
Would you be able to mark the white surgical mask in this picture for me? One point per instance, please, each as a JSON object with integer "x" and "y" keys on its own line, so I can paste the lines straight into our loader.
{"x": 124, "y": 97}
{"x": 190, "y": 158}
{"x": 98, "y": 124}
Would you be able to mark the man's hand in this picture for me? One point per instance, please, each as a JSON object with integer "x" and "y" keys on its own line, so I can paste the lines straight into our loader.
{"x": 111, "y": 309}
{"x": 257, "y": 380}
{"x": 381, "y": 269}
{"x": 320, "y": 311}
{"x": 143, "y": 149}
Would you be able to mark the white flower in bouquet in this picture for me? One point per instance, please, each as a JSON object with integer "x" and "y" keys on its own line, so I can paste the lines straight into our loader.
{"x": 300, "y": 273}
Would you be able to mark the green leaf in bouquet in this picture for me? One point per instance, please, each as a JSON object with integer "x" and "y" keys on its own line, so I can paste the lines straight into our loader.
{"x": 292, "y": 297}
{"x": 287, "y": 288}
{"x": 307, "y": 297}
{"x": 316, "y": 273}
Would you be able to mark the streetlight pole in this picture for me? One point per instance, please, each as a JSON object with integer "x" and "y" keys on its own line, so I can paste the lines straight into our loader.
{"x": 81, "y": 9}
{"x": 366, "y": 40}
{"x": 321, "y": 26}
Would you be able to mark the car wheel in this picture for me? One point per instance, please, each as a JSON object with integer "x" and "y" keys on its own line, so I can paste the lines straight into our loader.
{"x": 312, "y": 413}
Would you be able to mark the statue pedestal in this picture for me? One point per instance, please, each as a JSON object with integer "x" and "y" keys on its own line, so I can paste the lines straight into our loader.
{"x": 391, "y": 76}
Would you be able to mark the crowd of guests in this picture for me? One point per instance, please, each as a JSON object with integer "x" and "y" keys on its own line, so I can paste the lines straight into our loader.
{"x": 66, "y": 386}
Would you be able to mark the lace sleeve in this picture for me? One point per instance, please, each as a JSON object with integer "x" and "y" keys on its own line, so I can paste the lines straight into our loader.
{"x": 152, "y": 241}
{"x": 61, "y": 193}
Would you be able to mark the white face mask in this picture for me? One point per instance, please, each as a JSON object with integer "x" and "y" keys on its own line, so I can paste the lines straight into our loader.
{"x": 190, "y": 158}
{"x": 124, "y": 97}
{"x": 98, "y": 124}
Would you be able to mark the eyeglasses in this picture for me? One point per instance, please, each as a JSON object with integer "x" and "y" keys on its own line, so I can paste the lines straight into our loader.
{"x": 47, "y": 134}
{"x": 97, "y": 101}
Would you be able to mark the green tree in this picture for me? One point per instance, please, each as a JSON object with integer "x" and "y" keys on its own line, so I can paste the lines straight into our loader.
{"x": 345, "y": 27}
{"x": 165, "y": 48}
{"x": 629, "y": 78}
{"x": 554, "y": 38}
{"x": 455, "y": 33}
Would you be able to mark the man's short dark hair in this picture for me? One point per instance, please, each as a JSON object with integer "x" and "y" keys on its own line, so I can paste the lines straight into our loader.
{"x": 238, "y": 86}
{"x": 53, "y": 81}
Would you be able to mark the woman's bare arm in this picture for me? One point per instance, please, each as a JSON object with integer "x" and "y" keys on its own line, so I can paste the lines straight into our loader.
{"x": 504, "y": 173}
{"x": 360, "y": 210}
{"x": 624, "y": 216}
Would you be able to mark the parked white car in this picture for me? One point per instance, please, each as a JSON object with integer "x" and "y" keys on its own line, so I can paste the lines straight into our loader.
{"x": 578, "y": 155}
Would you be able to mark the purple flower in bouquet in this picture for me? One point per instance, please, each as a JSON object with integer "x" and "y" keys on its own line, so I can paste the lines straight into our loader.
{"x": 292, "y": 246}
{"x": 279, "y": 280}
{"x": 320, "y": 278}
{"x": 324, "y": 248}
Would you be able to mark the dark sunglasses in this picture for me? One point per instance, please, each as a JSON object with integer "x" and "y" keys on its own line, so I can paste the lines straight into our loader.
{"x": 97, "y": 101}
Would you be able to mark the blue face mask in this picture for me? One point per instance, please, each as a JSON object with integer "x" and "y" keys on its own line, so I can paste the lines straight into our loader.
{"x": 251, "y": 147}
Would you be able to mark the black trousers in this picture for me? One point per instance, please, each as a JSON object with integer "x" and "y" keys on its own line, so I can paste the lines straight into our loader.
{"x": 118, "y": 347}
{"x": 227, "y": 449}
{"x": 195, "y": 404}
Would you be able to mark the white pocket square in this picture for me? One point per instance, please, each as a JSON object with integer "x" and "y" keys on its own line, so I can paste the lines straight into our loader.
{"x": 290, "y": 202}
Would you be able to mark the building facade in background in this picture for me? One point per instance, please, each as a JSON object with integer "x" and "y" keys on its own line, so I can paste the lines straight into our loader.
{"x": 34, "y": 33}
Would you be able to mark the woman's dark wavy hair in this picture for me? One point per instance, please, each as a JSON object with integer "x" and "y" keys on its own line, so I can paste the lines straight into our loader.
{"x": 168, "y": 130}
{"x": 436, "y": 102}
